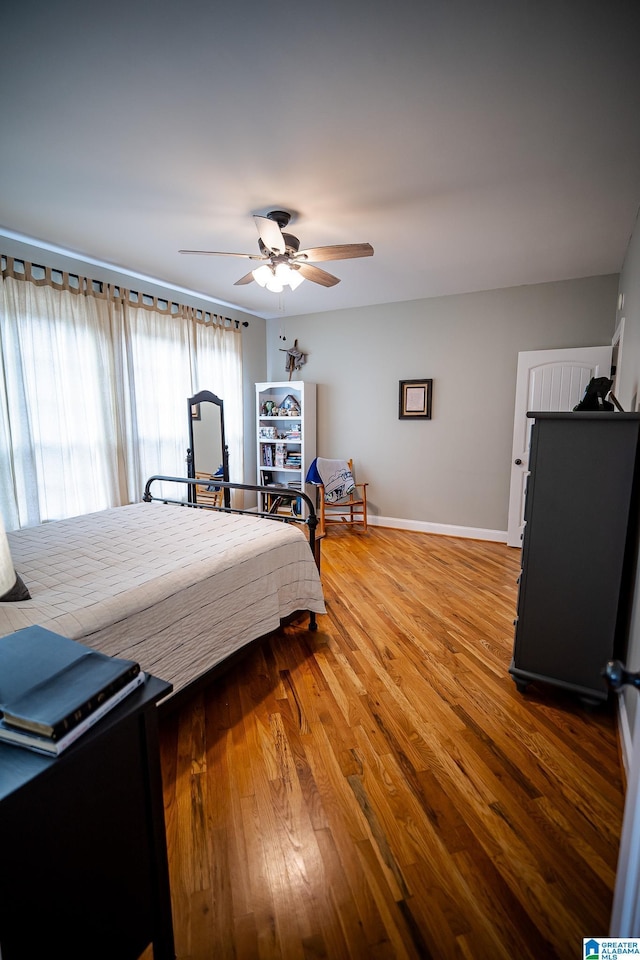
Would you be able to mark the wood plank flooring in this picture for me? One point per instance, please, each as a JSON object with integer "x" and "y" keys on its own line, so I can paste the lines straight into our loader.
{"x": 379, "y": 789}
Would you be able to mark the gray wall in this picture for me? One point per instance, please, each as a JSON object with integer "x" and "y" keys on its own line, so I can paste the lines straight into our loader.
{"x": 453, "y": 469}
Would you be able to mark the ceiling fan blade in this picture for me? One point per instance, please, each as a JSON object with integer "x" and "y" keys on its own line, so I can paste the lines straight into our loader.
{"x": 310, "y": 272}
{"x": 270, "y": 234}
{"x": 339, "y": 251}
{"x": 248, "y": 277}
{"x": 219, "y": 253}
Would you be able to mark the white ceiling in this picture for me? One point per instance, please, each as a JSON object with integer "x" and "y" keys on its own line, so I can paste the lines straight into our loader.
{"x": 474, "y": 144}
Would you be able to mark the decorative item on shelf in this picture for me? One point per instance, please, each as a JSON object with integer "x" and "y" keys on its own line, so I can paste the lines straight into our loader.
{"x": 268, "y": 433}
{"x": 290, "y": 406}
{"x": 415, "y": 399}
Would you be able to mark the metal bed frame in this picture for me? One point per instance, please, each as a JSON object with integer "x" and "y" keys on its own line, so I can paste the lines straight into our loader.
{"x": 280, "y": 495}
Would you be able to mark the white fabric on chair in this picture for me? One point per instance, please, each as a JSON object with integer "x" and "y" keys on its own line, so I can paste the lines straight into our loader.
{"x": 336, "y": 478}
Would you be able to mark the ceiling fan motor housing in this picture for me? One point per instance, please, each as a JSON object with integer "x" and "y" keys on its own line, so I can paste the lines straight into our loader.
{"x": 281, "y": 217}
{"x": 292, "y": 244}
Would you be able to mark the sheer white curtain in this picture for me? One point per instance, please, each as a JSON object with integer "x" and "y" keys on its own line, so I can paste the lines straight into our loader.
{"x": 158, "y": 382}
{"x": 217, "y": 369}
{"x": 93, "y": 393}
{"x": 60, "y": 436}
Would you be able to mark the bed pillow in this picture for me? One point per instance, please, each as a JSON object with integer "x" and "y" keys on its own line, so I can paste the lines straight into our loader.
{"x": 12, "y": 586}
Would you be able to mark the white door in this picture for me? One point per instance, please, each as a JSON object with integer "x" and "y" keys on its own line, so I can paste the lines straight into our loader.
{"x": 546, "y": 380}
{"x": 625, "y": 914}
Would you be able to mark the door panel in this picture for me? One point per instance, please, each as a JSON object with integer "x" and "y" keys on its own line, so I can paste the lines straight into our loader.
{"x": 625, "y": 912}
{"x": 546, "y": 380}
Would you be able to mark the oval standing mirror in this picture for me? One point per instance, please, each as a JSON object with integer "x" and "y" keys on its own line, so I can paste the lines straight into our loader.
{"x": 207, "y": 456}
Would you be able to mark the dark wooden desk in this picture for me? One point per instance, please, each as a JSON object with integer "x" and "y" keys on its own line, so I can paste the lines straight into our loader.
{"x": 83, "y": 857}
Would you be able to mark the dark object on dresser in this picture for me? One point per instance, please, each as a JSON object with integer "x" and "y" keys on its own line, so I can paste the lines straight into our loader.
{"x": 595, "y": 395}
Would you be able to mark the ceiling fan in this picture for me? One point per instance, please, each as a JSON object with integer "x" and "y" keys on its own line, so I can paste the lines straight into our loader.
{"x": 283, "y": 263}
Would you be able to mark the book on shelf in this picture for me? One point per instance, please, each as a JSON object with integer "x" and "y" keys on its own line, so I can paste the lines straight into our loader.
{"x": 51, "y": 747}
{"x": 49, "y": 683}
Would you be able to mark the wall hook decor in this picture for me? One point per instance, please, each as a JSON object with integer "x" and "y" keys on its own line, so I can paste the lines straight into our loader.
{"x": 295, "y": 358}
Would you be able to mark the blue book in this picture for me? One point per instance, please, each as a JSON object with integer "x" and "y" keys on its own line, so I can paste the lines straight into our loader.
{"x": 49, "y": 683}
{"x": 50, "y": 747}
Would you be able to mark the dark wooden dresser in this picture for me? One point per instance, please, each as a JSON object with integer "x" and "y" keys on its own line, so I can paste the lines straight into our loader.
{"x": 83, "y": 863}
{"x": 578, "y": 551}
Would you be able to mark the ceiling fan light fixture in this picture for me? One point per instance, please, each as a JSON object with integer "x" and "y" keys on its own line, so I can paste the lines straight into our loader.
{"x": 278, "y": 277}
{"x": 262, "y": 275}
{"x": 287, "y": 275}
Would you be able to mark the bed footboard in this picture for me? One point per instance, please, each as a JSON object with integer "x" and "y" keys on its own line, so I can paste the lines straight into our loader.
{"x": 310, "y": 521}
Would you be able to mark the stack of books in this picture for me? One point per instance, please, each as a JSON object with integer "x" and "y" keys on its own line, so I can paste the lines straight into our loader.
{"x": 267, "y": 455}
{"x": 52, "y": 689}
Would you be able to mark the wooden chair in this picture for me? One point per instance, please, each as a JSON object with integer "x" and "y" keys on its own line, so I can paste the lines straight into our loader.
{"x": 214, "y": 498}
{"x": 350, "y": 510}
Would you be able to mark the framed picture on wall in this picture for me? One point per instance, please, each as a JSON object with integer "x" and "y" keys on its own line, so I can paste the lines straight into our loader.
{"x": 415, "y": 399}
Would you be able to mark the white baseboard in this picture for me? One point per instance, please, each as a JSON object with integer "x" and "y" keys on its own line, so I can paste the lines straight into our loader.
{"x": 424, "y": 526}
{"x": 444, "y": 529}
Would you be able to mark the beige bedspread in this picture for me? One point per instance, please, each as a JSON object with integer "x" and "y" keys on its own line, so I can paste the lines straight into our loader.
{"x": 174, "y": 588}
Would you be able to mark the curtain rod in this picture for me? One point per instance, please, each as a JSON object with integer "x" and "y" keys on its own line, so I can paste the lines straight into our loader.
{"x": 49, "y": 275}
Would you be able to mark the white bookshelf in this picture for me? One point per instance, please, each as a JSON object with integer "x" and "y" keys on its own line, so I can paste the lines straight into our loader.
{"x": 285, "y": 434}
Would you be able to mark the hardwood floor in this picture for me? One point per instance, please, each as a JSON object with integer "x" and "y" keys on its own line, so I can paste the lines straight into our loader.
{"x": 379, "y": 789}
